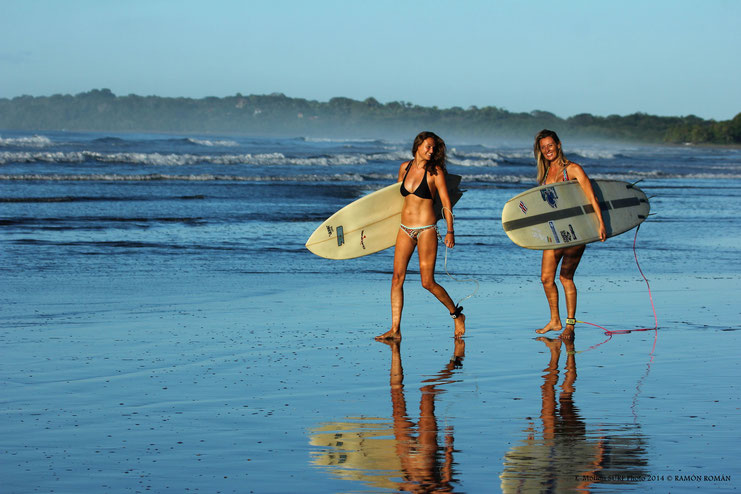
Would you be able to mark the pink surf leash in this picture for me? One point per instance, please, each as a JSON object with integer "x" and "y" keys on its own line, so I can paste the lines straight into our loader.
{"x": 609, "y": 332}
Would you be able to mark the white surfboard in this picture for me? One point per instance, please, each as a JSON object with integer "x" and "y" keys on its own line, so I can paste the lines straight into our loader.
{"x": 369, "y": 224}
{"x": 558, "y": 215}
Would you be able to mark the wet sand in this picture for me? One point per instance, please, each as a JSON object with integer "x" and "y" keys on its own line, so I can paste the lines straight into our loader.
{"x": 273, "y": 383}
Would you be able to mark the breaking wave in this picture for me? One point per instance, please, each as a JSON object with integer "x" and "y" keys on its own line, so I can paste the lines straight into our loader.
{"x": 31, "y": 142}
{"x": 628, "y": 175}
{"x": 178, "y": 159}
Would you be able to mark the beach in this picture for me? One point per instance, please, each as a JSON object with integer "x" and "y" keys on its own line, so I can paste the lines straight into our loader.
{"x": 165, "y": 330}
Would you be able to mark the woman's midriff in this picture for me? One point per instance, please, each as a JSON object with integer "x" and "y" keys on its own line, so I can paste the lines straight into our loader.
{"x": 417, "y": 212}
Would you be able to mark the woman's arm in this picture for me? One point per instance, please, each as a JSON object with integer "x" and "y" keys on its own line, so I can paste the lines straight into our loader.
{"x": 402, "y": 169}
{"x": 577, "y": 172}
{"x": 442, "y": 191}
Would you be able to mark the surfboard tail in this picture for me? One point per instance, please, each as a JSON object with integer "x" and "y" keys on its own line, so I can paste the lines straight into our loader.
{"x": 454, "y": 192}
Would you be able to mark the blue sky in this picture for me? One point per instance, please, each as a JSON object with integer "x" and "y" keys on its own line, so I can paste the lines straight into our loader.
{"x": 660, "y": 57}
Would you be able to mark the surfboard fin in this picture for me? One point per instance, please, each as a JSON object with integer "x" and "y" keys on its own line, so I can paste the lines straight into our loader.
{"x": 644, "y": 217}
{"x": 630, "y": 186}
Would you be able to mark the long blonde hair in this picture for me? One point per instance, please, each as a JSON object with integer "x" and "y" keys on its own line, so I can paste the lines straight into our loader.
{"x": 540, "y": 160}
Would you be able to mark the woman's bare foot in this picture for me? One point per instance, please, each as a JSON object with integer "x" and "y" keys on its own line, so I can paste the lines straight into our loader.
{"x": 460, "y": 326}
{"x": 389, "y": 335}
{"x": 568, "y": 333}
{"x": 551, "y": 326}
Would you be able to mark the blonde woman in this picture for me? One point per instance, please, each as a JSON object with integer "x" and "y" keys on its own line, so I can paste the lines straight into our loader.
{"x": 554, "y": 167}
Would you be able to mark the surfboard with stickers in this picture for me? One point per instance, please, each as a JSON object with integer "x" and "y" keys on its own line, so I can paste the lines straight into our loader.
{"x": 558, "y": 215}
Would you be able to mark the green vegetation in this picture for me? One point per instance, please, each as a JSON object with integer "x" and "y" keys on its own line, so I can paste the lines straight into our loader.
{"x": 277, "y": 114}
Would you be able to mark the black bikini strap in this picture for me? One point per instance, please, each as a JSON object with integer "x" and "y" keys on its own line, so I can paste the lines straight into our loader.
{"x": 406, "y": 172}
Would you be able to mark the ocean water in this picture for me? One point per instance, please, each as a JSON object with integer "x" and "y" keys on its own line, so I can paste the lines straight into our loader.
{"x": 165, "y": 329}
{"x": 117, "y": 203}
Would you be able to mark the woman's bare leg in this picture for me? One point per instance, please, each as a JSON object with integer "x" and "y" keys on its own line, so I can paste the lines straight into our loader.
{"x": 548, "y": 266}
{"x": 402, "y": 253}
{"x": 570, "y": 262}
{"x": 427, "y": 251}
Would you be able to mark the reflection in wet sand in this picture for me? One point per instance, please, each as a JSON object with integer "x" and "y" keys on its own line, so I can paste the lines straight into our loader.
{"x": 400, "y": 455}
{"x": 358, "y": 449}
{"x": 566, "y": 455}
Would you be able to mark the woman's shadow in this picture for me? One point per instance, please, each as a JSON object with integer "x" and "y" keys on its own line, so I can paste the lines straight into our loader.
{"x": 416, "y": 458}
{"x": 426, "y": 465}
{"x": 565, "y": 454}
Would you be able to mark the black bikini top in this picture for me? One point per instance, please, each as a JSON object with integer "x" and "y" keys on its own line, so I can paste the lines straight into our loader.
{"x": 423, "y": 189}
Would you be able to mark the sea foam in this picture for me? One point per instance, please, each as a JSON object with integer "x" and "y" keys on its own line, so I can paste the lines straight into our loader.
{"x": 32, "y": 141}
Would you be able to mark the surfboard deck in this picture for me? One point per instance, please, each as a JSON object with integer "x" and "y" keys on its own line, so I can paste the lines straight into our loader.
{"x": 369, "y": 224}
{"x": 556, "y": 216}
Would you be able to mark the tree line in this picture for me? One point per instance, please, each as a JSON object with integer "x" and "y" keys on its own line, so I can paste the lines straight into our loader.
{"x": 277, "y": 114}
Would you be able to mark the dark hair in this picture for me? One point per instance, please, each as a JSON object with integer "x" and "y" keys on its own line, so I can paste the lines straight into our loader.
{"x": 439, "y": 158}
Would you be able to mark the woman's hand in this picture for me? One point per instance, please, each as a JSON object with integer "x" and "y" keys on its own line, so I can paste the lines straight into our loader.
{"x": 602, "y": 232}
{"x": 578, "y": 173}
{"x": 450, "y": 240}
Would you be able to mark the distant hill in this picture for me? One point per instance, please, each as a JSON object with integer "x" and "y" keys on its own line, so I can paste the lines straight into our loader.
{"x": 277, "y": 114}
